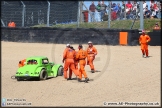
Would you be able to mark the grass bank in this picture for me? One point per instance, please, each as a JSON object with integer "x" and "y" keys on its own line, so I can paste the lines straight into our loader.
{"x": 117, "y": 24}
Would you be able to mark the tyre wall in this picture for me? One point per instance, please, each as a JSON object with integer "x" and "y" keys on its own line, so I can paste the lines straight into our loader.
{"x": 73, "y": 36}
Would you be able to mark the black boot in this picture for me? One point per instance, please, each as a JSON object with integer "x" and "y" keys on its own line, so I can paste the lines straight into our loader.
{"x": 92, "y": 71}
{"x": 86, "y": 80}
{"x": 69, "y": 79}
{"x": 79, "y": 80}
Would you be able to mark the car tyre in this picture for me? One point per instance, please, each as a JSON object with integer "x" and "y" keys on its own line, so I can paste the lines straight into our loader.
{"x": 60, "y": 71}
{"x": 43, "y": 75}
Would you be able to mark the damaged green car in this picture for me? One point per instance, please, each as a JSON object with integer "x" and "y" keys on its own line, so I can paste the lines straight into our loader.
{"x": 38, "y": 67}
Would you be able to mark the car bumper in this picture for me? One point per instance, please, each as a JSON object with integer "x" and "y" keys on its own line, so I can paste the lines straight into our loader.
{"x": 26, "y": 77}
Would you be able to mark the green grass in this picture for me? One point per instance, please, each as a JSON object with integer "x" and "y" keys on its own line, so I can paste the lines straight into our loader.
{"x": 118, "y": 24}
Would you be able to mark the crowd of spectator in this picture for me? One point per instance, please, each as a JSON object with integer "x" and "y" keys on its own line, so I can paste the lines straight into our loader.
{"x": 126, "y": 10}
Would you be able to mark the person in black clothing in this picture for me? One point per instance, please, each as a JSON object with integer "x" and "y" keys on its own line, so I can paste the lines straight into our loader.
{"x": 147, "y": 13}
{"x": 103, "y": 9}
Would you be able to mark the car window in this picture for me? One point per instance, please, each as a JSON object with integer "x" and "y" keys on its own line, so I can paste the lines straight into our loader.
{"x": 32, "y": 61}
{"x": 45, "y": 61}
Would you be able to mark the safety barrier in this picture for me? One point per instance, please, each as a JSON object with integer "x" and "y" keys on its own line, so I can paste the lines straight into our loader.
{"x": 73, "y": 36}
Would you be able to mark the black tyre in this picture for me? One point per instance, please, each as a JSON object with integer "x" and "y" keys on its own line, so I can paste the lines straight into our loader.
{"x": 60, "y": 71}
{"x": 43, "y": 75}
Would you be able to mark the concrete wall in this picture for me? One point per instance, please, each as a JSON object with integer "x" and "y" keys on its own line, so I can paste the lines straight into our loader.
{"x": 68, "y": 35}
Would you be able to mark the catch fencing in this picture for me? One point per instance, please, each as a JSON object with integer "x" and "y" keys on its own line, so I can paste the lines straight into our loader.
{"x": 66, "y": 14}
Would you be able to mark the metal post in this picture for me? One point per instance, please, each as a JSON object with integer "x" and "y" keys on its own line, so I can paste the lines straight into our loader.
{"x": 159, "y": 13}
{"x": 2, "y": 23}
{"x": 23, "y": 14}
{"x": 109, "y": 16}
{"x": 134, "y": 21}
{"x": 48, "y": 13}
{"x": 141, "y": 15}
{"x": 81, "y": 10}
{"x": 125, "y": 11}
{"x": 78, "y": 16}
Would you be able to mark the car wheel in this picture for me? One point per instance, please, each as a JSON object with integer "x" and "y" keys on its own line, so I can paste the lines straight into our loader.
{"x": 60, "y": 71}
{"x": 43, "y": 75}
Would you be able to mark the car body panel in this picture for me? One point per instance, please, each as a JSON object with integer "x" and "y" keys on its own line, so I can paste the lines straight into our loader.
{"x": 55, "y": 69}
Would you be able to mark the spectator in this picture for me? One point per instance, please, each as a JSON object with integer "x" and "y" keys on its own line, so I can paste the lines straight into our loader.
{"x": 128, "y": 7}
{"x": 147, "y": 13}
{"x": 119, "y": 11}
{"x": 134, "y": 8}
{"x": 11, "y": 24}
{"x": 111, "y": 4}
{"x": 159, "y": 9}
{"x": 156, "y": 27}
{"x": 153, "y": 15}
{"x": 133, "y": 14}
{"x": 98, "y": 8}
{"x": 92, "y": 11}
{"x": 115, "y": 8}
{"x": 156, "y": 8}
{"x": 103, "y": 10}
{"x": 114, "y": 12}
{"x": 151, "y": 5}
{"x": 122, "y": 10}
{"x": 144, "y": 6}
{"x": 128, "y": 14}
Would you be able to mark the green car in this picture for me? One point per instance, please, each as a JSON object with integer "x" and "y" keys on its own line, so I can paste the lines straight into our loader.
{"x": 38, "y": 67}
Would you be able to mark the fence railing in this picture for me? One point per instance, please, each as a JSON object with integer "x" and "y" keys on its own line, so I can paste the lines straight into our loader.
{"x": 62, "y": 14}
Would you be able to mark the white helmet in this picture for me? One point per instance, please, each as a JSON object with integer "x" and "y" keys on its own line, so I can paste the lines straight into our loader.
{"x": 89, "y": 42}
{"x": 67, "y": 45}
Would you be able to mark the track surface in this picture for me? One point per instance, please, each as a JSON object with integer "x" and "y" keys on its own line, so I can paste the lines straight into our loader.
{"x": 123, "y": 76}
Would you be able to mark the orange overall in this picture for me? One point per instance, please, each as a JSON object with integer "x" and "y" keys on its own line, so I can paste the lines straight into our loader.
{"x": 75, "y": 63}
{"x": 91, "y": 51}
{"x": 81, "y": 56}
{"x": 143, "y": 40}
{"x": 68, "y": 56}
{"x": 22, "y": 63}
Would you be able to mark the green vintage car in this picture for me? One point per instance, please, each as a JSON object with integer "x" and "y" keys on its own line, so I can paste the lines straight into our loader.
{"x": 38, "y": 67}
